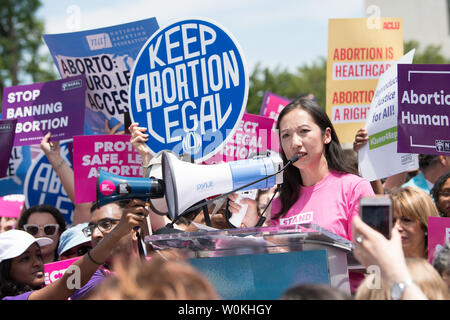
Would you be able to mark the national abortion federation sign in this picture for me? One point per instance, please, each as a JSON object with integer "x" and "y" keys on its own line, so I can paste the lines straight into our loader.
{"x": 189, "y": 87}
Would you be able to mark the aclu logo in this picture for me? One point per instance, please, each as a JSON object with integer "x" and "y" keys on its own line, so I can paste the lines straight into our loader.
{"x": 71, "y": 85}
{"x": 99, "y": 41}
{"x": 442, "y": 145}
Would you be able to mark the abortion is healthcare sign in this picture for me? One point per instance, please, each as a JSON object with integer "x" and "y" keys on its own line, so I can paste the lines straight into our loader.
{"x": 105, "y": 56}
{"x": 189, "y": 87}
{"x": 359, "y": 51}
{"x": 54, "y": 106}
{"x": 424, "y": 109}
{"x": 111, "y": 153}
{"x": 42, "y": 184}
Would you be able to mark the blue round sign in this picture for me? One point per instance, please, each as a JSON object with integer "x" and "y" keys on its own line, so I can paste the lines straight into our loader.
{"x": 19, "y": 163}
{"x": 43, "y": 186}
{"x": 189, "y": 87}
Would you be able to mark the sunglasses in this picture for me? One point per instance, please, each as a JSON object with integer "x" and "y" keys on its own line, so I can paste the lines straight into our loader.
{"x": 104, "y": 225}
{"x": 76, "y": 252}
{"x": 33, "y": 229}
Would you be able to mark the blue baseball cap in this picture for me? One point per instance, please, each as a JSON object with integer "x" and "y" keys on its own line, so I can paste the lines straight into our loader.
{"x": 72, "y": 237}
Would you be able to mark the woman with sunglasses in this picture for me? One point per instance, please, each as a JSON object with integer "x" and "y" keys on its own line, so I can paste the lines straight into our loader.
{"x": 44, "y": 220}
{"x": 22, "y": 266}
{"x": 73, "y": 242}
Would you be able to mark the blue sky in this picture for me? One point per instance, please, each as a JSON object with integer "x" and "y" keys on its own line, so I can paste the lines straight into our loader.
{"x": 284, "y": 33}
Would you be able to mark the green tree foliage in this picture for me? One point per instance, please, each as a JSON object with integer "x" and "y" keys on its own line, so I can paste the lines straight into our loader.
{"x": 430, "y": 55}
{"x": 312, "y": 78}
{"x": 21, "y": 61}
{"x": 305, "y": 80}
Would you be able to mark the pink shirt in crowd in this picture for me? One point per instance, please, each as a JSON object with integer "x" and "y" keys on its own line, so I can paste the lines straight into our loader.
{"x": 331, "y": 203}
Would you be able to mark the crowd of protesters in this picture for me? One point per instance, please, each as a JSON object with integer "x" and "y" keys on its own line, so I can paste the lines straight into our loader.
{"x": 107, "y": 239}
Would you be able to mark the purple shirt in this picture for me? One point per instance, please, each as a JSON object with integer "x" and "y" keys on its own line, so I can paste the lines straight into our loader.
{"x": 23, "y": 296}
{"x": 97, "y": 278}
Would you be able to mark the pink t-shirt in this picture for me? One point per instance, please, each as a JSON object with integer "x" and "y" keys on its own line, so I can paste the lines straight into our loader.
{"x": 331, "y": 203}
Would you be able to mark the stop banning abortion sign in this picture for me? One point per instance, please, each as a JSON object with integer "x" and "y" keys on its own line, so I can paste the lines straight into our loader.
{"x": 189, "y": 87}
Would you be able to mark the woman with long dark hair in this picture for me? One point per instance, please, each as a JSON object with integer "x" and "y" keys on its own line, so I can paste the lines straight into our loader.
{"x": 44, "y": 220}
{"x": 319, "y": 187}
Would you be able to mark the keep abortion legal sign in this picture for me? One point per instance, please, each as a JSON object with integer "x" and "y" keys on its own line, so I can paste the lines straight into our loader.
{"x": 42, "y": 184}
{"x": 189, "y": 87}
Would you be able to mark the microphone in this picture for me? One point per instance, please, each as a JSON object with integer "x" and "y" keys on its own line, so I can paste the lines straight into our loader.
{"x": 293, "y": 159}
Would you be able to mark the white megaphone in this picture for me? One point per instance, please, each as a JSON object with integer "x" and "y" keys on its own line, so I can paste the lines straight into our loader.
{"x": 186, "y": 183}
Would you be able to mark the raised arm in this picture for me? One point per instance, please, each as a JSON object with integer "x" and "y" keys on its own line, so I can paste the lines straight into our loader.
{"x": 361, "y": 139}
{"x": 138, "y": 140}
{"x": 85, "y": 267}
{"x": 65, "y": 173}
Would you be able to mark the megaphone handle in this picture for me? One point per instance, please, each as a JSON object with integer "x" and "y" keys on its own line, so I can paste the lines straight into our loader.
{"x": 206, "y": 214}
{"x": 140, "y": 247}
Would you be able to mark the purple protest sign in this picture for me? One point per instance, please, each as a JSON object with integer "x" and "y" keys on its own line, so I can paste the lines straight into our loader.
{"x": 272, "y": 105}
{"x": 438, "y": 234}
{"x": 424, "y": 109}
{"x": 254, "y": 135}
{"x": 7, "y": 129}
{"x": 111, "y": 153}
{"x": 54, "y": 106}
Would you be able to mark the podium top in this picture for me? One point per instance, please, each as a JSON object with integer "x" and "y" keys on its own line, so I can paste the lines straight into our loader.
{"x": 222, "y": 242}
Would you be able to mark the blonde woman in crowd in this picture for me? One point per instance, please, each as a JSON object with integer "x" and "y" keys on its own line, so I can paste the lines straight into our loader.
{"x": 422, "y": 274}
{"x": 411, "y": 209}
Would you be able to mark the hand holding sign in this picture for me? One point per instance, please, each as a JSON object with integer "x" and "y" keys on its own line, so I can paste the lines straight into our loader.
{"x": 361, "y": 139}
{"x": 51, "y": 149}
{"x": 192, "y": 76}
{"x": 138, "y": 140}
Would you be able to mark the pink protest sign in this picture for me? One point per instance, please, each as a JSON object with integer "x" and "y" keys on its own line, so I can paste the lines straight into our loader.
{"x": 112, "y": 153}
{"x": 55, "y": 270}
{"x": 254, "y": 135}
{"x": 272, "y": 106}
{"x": 11, "y": 205}
{"x": 438, "y": 234}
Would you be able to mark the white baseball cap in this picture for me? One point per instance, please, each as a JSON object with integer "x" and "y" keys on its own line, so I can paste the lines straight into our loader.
{"x": 15, "y": 242}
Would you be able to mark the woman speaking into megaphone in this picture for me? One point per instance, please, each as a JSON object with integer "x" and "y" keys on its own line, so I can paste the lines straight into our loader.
{"x": 318, "y": 187}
